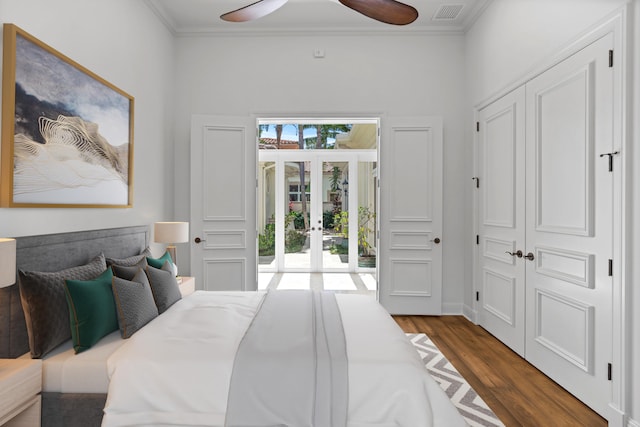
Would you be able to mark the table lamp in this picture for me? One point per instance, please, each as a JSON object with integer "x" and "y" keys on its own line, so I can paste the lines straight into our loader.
{"x": 7, "y": 262}
{"x": 171, "y": 233}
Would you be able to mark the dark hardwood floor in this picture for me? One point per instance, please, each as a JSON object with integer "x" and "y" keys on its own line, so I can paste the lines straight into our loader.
{"x": 517, "y": 392}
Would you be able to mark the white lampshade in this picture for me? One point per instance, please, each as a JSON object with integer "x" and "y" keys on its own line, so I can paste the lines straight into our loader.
{"x": 7, "y": 262}
{"x": 171, "y": 232}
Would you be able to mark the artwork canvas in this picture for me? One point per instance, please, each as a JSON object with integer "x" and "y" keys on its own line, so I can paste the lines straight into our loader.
{"x": 67, "y": 134}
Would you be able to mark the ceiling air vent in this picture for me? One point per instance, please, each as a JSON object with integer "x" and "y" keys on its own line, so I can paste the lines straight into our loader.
{"x": 448, "y": 12}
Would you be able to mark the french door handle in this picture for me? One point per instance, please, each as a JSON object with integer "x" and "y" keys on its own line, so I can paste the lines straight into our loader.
{"x": 198, "y": 240}
{"x": 530, "y": 256}
{"x": 517, "y": 253}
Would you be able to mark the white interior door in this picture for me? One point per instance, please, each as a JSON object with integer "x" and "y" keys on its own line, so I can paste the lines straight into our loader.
{"x": 410, "y": 261}
{"x": 501, "y": 220}
{"x": 223, "y": 202}
{"x": 569, "y": 223}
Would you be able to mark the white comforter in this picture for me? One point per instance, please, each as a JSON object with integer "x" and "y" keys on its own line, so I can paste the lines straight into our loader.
{"x": 176, "y": 370}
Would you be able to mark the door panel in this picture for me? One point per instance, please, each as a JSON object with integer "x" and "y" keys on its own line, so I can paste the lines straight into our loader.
{"x": 223, "y": 202}
{"x": 569, "y": 223}
{"x": 563, "y": 199}
{"x": 501, "y": 222}
{"x": 411, "y": 215}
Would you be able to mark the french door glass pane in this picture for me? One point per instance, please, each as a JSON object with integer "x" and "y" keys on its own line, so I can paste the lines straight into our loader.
{"x": 367, "y": 214}
{"x": 335, "y": 242}
{"x": 297, "y": 186}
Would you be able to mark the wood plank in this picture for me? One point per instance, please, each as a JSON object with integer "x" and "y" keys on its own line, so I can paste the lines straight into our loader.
{"x": 518, "y": 393}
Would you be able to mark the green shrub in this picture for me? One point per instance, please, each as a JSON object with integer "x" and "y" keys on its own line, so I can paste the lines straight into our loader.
{"x": 327, "y": 220}
{"x": 267, "y": 241}
{"x": 298, "y": 219}
{"x": 294, "y": 241}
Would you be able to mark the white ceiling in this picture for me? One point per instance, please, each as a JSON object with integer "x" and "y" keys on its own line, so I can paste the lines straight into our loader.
{"x": 203, "y": 16}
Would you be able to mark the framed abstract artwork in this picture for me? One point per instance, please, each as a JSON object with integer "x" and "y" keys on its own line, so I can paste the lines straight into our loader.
{"x": 67, "y": 134}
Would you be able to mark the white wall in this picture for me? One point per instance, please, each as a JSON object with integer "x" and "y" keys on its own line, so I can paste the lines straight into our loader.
{"x": 511, "y": 39}
{"x": 367, "y": 75}
{"x": 123, "y": 42}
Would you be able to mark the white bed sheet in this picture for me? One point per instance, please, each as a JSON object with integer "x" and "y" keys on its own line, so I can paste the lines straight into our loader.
{"x": 182, "y": 372}
{"x": 64, "y": 371}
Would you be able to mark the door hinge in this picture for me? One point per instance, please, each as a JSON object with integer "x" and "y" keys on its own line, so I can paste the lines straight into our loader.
{"x": 477, "y": 295}
{"x": 477, "y": 126}
{"x": 609, "y": 369}
{"x": 610, "y": 267}
{"x": 477, "y": 180}
{"x": 477, "y": 239}
{"x": 610, "y": 58}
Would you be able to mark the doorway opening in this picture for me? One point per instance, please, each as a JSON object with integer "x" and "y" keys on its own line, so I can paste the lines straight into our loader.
{"x": 317, "y": 204}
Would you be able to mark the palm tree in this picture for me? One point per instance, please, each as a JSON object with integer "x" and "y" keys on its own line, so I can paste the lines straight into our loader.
{"x": 324, "y": 132}
{"x": 278, "y": 135}
{"x": 265, "y": 128}
{"x": 303, "y": 185}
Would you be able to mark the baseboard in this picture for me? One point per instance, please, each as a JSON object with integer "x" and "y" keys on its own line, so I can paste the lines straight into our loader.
{"x": 616, "y": 418}
{"x": 470, "y": 314}
{"x": 633, "y": 423}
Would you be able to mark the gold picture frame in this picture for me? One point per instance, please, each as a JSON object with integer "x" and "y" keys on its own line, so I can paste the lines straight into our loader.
{"x": 67, "y": 134}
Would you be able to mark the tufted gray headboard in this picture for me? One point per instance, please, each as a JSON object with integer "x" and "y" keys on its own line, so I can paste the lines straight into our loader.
{"x": 53, "y": 252}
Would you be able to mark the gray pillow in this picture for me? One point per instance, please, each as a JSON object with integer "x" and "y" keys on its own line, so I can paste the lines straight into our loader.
{"x": 164, "y": 286}
{"x": 134, "y": 303}
{"x": 132, "y": 260}
{"x": 128, "y": 272}
{"x": 45, "y": 305}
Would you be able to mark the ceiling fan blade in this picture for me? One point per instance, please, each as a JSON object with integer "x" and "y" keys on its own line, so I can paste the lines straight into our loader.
{"x": 253, "y": 11}
{"x": 387, "y": 11}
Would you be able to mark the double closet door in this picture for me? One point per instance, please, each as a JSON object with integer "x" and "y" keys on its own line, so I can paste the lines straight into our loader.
{"x": 545, "y": 206}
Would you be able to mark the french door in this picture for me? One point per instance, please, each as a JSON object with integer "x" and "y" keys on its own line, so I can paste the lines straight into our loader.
{"x": 322, "y": 186}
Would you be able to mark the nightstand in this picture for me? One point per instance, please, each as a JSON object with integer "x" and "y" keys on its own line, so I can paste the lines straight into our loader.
{"x": 20, "y": 387}
{"x": 187, "y": 285}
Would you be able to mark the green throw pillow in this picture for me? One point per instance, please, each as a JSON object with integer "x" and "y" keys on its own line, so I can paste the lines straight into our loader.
{"x": 159, "y": 262}
{"x": 92, "y": 310}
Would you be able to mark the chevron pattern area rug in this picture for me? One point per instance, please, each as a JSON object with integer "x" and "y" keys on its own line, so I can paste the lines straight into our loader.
{"x": 473, "y": 409}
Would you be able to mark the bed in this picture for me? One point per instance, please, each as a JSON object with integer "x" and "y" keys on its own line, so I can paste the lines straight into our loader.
{"x": 159, "y": 376}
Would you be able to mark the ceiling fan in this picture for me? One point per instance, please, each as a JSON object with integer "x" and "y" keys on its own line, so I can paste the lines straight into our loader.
{"x": 387, "y": 11}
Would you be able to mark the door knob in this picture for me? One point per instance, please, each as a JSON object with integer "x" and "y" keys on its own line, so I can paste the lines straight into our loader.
{"x": 198, "y": 240}
{"x": 517, "y": 253}
{"x": 530, "y": 256}
{"x": 436, "y": 240}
